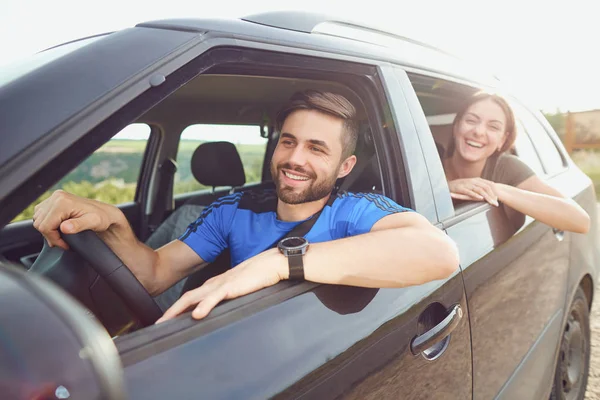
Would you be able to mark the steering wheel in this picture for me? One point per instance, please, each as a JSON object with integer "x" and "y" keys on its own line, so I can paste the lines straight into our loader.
{"x": 56, "y": 264}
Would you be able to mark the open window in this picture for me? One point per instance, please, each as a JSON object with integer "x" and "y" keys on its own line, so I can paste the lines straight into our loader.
{"x": 238, "y": 104}
{"x": 441, "y": 100}
{"x": 110, "y": 174}
{"x": 233, "y": 96}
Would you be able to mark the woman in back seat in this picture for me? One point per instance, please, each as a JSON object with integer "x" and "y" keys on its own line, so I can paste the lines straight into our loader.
{"x": 478, "y": 168}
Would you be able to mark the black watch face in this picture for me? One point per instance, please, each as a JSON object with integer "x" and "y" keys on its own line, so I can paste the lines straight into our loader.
{"x": 294, "y": 242}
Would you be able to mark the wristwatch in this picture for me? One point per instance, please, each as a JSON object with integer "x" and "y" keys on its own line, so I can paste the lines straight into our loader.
{"x": 294, "y": 248}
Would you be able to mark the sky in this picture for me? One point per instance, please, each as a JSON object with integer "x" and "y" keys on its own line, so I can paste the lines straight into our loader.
{"x": 545, "y": 51}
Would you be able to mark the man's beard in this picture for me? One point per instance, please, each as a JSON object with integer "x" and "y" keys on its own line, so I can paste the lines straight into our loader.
{"x": 315, "y": 191}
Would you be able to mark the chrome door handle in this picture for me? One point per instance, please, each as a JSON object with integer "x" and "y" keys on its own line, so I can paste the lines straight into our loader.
{"x": 438, "y": 332}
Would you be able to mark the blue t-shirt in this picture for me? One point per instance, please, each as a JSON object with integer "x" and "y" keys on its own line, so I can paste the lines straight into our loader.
{"x": 247, "y": 223}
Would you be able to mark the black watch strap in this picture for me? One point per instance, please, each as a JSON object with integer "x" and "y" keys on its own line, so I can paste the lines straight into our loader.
{"x": 296, "y": 267}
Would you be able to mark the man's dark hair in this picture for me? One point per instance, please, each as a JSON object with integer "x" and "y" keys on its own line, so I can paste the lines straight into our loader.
{"x": 328, "y": 103}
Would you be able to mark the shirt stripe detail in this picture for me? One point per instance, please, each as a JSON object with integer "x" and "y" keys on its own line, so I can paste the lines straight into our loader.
{"x": 227, "y": 200}
{"x": 380, "y": 201}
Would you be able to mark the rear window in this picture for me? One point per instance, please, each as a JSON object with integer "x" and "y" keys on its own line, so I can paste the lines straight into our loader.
{"x": 551, "y": 158}
{"x": 526, "y": 151}
{"x": 250, "y": 145}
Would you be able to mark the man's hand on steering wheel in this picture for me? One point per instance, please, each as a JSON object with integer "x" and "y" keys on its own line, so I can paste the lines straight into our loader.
{"x": 73, "y": 217}
{"x": 70, "y": 214}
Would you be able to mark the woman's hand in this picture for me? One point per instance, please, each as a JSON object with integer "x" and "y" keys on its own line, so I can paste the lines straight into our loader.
{"x": 474, "y": 189}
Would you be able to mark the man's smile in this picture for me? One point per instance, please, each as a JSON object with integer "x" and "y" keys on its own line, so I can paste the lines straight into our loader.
{"x": 295, "y": 177}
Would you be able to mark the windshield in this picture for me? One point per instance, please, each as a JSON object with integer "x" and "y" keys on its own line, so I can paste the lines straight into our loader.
{"x": 14, "y": 71}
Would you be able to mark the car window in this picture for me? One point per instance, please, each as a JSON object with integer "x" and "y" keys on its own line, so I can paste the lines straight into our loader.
{"x": 247, "y": 139}
{"x": 441, "y": 100}
{"x": 110, "y": 174}
{"x": 546, "y": 148}
{"x": 526, "y": 151}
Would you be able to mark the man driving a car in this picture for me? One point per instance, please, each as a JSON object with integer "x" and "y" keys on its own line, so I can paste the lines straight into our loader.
{"x": 358, "y": 239}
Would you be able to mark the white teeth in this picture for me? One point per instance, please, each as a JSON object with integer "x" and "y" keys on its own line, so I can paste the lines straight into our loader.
{"x": 474, "y": 144}
{"x": 295, "y": 177}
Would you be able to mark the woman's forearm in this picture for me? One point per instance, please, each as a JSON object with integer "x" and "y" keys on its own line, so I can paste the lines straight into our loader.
{"x": 559, "y": 213}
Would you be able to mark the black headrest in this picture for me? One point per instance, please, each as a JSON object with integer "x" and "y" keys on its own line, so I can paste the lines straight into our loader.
{"x": 218, "y": 164}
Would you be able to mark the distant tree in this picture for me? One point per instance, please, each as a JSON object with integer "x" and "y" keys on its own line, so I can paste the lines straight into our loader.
{"x": 557, "y": 120}
{"x": 109, "y": 191}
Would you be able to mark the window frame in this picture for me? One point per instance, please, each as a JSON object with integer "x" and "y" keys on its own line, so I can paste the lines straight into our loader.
{"x": 467, "y": 209}
{"x": 525, "y": 135}
{"x": 149, "y": 152}
{"x": 549, "y": 171}
{"x": 149, "y": 164}
{"x": 365, "y": 81}
{"x": 86, "y": 126}
{"x": 343, "y": 70}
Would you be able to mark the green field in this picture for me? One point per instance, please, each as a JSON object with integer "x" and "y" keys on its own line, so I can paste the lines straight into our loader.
{"x": 110, "y": 174}
{"x": 134, "y": 145}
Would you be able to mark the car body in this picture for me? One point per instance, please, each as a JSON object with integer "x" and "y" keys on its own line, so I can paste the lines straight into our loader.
{"x": 500, "y": 320}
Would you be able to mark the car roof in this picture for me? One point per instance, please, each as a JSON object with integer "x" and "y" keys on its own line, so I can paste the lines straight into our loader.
{"x": 332, "y": 34}
{"x": 35, "y": 111}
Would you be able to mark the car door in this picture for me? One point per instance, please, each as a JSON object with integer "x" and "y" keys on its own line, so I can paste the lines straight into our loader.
{"x": 325, "y": 342}
{"x": 515, "y": 282}
{"x": 517, "y": 292}
{"x": 319, "y": 341}
{"x": 516, "y": 288}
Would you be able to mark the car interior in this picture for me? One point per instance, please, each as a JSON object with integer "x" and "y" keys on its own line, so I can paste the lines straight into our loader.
{"x": 216, "y": 99}
{"x": 441, "y": 100}
{"x": 207, "y": 99}
{"x": 223, "y": 98}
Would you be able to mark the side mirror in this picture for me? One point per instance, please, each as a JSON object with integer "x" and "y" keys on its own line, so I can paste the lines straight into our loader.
{"x": 50, "y": 346}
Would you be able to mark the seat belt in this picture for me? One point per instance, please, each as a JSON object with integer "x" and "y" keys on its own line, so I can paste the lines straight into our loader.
{"x": 223, "y": 262}
{"x": 301, "y": 229}
{"x": 166, "y": 172}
